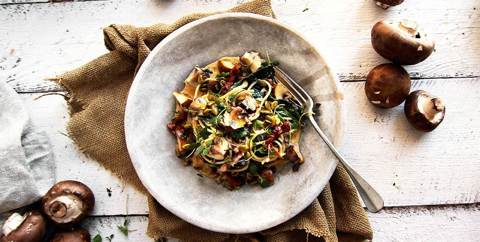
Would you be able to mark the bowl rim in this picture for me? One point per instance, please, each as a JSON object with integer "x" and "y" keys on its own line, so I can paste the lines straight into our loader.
{"x": 337, "y": 139}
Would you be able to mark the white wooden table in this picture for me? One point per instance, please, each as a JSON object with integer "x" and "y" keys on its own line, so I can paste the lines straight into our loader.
{"x": 430, "y": 182}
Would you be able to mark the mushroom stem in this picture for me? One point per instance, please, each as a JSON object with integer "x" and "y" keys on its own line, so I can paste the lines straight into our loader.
{"x": 12, "y": 223}
{"x": 65, "y": 209}
{"x": 382, "y": 5}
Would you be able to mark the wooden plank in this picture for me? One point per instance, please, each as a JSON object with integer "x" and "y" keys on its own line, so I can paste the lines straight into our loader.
{"x": 50, "y": 113}
{"x": 406, "y": 166}
{"x": 106, "y": 226}
{"x": 42, "y": 40}
{"x": 425, "y": 224}
{"x": 409, "y": 167}
{"x": 13, "y": 2}
{"x": 22, "y": 1}
{"x": 453, "y": 224}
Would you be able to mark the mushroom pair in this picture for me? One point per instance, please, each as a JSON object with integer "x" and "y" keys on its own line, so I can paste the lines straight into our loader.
{"x": 388, "y": 85}
{"x": 65, "y": 204}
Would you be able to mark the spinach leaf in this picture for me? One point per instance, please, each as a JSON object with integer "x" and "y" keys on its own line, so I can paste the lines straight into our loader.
{"x": 97, "y": 238}
{"x": 222, "y": 75}
{"x": 262, "y": 73}
{"x": 240, "y": 133}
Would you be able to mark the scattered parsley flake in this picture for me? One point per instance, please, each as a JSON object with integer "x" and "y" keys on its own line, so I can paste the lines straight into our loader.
{"x": 223, "y": 74}
{"x": 97, "y": 238}
{"x": 110, "y": 238}
{"x": 124, "y": 228}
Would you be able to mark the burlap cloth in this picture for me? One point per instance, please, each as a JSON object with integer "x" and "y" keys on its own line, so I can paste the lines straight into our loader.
{"x": 97, "y": 98}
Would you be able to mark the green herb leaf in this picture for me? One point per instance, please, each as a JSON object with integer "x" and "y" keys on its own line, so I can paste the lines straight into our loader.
{"x": 222, "y": 75}
{"x": 214, "y": 120}
{"x": 262, "y": 151}
{"x": 97, "y": 238}
{"x": 205, "y": 151}
{"x": 220, "y": 106}
{"x": 206, "y": 70}
{"x": 258, "y": 124}
{"x": 262, "y": 73}
{"x": 124, "y": 228}
{"x": 253, "y": 168}
{"x": 109, "y": 238}
{"x": 240, "y": 133}
{"x": 204, "y": 133}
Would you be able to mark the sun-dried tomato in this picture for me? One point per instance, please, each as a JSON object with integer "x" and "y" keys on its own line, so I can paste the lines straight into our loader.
{"x": 267, "y": 174}
{"x": 277, "y": 131}
{"x": 232, "y": 77}
{"x": 177, "y": 120}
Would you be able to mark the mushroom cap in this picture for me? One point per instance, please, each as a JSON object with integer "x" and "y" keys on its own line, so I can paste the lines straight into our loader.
{"x": 68, "y": 202}
{"x": 387, "y": 85}
{"x": 32, "y": 229}
{"x": 401, "y": 42}
{"x": 388, "y": 3}
{"x": 73, "y": 235}
{"x": 424, "y": 111}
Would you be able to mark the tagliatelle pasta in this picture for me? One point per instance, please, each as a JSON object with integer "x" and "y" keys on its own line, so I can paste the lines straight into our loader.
{"x": 235, "y": 123}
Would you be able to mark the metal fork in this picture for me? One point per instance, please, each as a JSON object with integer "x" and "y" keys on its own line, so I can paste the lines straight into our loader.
{"x": 370, "y": 197}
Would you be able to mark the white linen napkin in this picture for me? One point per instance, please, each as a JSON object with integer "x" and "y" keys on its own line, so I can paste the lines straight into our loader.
{"x": 27, "y": 168}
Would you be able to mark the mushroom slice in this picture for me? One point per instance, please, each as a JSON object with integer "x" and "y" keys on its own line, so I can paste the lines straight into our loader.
{"x": 30, "y": 227}
{"x": 72, "y": 235}
{"x": 295, "y": 148}
{"x": 252, "y": 60}
{"x": 388, "y": 3}
{"x": 200, "y": 103}
{"x": 281, "y": 92}
{"x": 424, "y": 111}
{"x": 226, "y": 64}
{"x": 68, "y": 202}
{"x": 234, "y": 119}
{"x": 219, "y": 148}
{"x": 250, "y": 103}
{"x": 182, "y": 99}
{"x": 387, "y": 85}
{"x": 401, "y": 42}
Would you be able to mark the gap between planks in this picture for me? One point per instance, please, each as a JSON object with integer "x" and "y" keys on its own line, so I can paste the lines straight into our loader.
{"x": 427, "y": 223}
{"x": 52, "y": 88}
{"x": 385, "y": 210}
{"x": 17, "y": 2}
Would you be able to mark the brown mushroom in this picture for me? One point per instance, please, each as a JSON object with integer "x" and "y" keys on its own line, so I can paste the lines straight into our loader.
{"x": 73, "y": 235}
{"x": 388, "y": 3}
{"x": 30, "y": 227}
{"x": 68, "y": 202}
{"x": 401, "y": 42}
{"x": 225, "y": 65}
{"x": 424, "y": 111}
{"x": 387, "y": 85}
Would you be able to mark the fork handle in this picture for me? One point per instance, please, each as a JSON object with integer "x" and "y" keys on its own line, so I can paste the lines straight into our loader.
{"x": 370, "y": 197}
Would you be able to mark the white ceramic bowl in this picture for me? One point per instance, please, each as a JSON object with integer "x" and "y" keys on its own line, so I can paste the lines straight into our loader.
{"x": 150, "y": 106}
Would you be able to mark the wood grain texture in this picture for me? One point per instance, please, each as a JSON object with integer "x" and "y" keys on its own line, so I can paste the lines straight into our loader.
{"x": 452, "y": 224}
{"x": 409, "y": 167}
{"x": 43, "y": 40}
{"x": 406, "y": 166}
{"x": 50, "y": 114}
{"x": 12, "y": 2}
